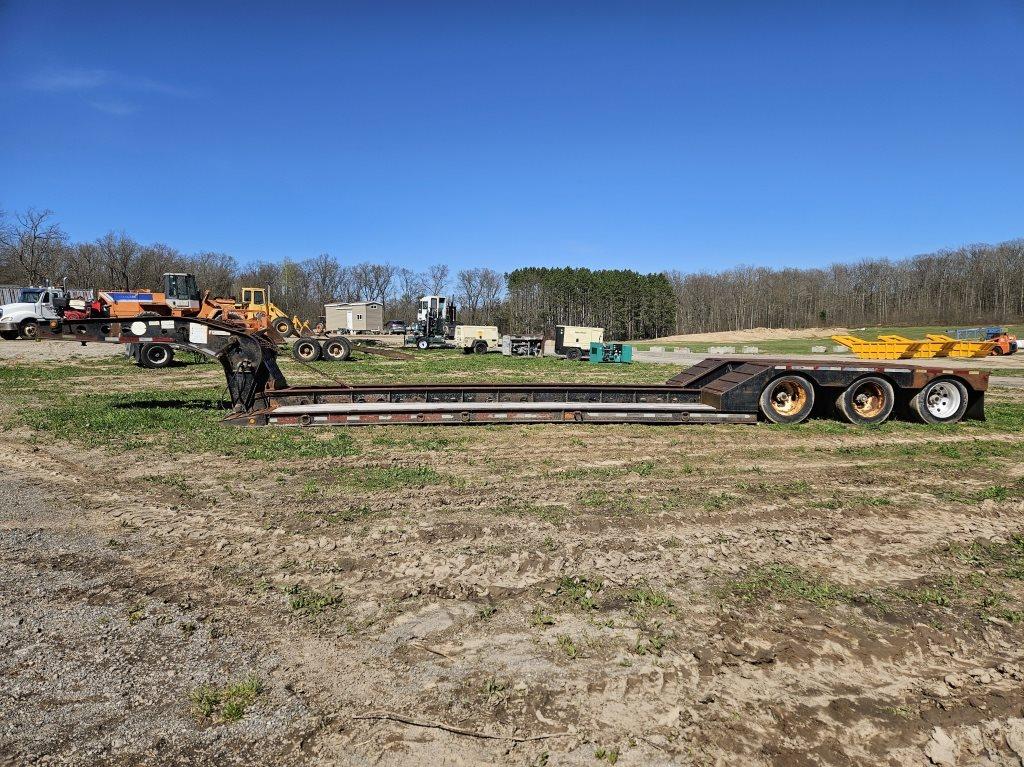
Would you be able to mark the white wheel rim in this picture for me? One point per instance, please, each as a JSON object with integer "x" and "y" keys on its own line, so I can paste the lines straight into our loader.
{"x": 157, "y": 355}
{"x": 943, "y": 400}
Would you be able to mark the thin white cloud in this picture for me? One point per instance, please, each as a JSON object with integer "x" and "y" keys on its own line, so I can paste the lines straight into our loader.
{"x": 68, "y": 80}
{"x": 105, "y": 90}
{"x": 113, "y": 107}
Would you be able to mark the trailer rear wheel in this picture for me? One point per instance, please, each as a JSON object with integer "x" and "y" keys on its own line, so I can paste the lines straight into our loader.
{"x": 867, "y": 401}
{"x": 423, "y": 344}
{"x": 337, "y": 349}
{"x": 787, "y": 399}
{"x": 284, "y": 326}
{"x": 479, "y": 347}
{"x": 943, "y": 400}
{"x": 155, "y": 356}
{"x": 573, "y": 353}
{"x": 306, "y": 350}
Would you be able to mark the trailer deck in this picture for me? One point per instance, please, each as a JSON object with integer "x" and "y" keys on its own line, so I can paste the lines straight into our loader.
{"x": 715, "y": 390}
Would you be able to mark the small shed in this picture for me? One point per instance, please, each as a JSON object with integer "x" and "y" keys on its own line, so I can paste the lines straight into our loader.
{"x": 358, "y": 317}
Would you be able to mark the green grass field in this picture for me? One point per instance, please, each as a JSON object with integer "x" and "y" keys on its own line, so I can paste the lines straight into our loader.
{"x": 113, "y": 402}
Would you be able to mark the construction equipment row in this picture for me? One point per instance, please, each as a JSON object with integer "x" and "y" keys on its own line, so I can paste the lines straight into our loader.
{"x": 716, "y": 390}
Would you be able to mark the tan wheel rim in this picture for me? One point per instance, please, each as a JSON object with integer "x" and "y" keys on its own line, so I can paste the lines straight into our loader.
{"x": 788, "y": 398}
{"x": 868, "y": 400}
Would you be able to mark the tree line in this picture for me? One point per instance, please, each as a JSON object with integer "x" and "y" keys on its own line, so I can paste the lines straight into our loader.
{"x": 34, "y": 247}
{"x": 625, "y": 303}
{"x": 975, "y": 283}
{"x": 966, "y": 285}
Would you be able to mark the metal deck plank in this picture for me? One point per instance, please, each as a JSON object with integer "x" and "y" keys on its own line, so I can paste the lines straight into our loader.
{"x": 458, "y": 407}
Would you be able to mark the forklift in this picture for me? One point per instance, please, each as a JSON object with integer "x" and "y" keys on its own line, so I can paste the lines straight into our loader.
{"x": 435, "y": 324}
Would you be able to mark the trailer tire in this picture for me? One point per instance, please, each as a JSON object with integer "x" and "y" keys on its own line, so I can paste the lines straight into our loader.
{"x": 467, "y": 349}
{"x": 479, "y": 347}
{"x": 337, "y": 349}
{"x": 574, "y": 353}
{"x": 28, "y": 329}
{"x": 424, "y": 344}
{"x": 307, "y": 350}
{"x": 284, "y": 326}
{"x": 868, "y": 400}
{"x": 155, "y": 356}
{"x": 787, "y": 399}
{"x": 943, "y": 400}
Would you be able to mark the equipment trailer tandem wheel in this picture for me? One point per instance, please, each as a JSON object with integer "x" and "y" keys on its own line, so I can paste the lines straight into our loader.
{"x": 715, "y": 390}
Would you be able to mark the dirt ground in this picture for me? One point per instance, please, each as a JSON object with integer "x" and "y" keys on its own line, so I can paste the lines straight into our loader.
{"x": 750, "y": 335}
{"x": 542, "y": 595}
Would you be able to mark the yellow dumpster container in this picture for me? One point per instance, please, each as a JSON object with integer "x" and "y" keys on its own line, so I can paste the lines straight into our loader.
{"x": 964, "y": 348}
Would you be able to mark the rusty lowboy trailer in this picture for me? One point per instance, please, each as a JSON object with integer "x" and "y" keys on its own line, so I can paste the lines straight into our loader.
{"x": 716, "y": 390}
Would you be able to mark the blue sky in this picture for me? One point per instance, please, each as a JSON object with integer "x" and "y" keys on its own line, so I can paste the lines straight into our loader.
{"x": 637, "y": 134}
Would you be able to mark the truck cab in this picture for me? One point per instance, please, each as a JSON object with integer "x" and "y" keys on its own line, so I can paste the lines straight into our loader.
{"x": 34, "y": 305}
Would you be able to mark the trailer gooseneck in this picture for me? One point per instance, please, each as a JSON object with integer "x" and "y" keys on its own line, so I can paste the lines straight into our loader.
{"x": 716, "y": 390}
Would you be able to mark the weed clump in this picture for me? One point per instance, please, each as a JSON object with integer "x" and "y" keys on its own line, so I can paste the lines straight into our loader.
{"x": 226, "y": 703}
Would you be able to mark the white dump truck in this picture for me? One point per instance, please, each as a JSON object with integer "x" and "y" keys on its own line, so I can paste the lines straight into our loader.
{"x": 477, "y": 339}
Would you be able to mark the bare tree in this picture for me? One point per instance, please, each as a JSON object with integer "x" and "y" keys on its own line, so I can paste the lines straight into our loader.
{"x": 214, "y": 272}
{"x": 437, "y": 279}
{"x": 325, "y": 278}
{"x": 381, "y": 281}
{"x": 491, "y": 285}
{"x": 122, "y": 261}
{"x": 360, "y": 281}
{"x": 32, "y": 243}
{"x": 468, "y": 281}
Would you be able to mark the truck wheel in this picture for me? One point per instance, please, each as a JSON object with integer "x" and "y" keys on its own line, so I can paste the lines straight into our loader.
{"x": 8, "y": 335}
{"x": 28, "y": 329}
{"x": 284, "y": 326}
{"x": 479, "y": 347}
{"x": 943, "y": 400}
{"x": 787, "y": 399}
{"x": 156, "y": 356}
{"x": 337, "y": 349}
{"x": 573, "y": 353}
{"x": 424, "y": 344}
{"x": 866, "y": 401}
{"x": 306, "y": 350}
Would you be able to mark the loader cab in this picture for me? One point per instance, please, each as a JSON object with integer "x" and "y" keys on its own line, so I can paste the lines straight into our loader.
{"x": 181, "y": 291}
{"x": 255, "y": 298}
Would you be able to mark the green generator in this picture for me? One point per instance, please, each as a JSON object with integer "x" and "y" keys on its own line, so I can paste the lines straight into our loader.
{"x": 610, "y": 352}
